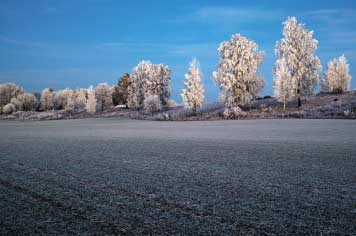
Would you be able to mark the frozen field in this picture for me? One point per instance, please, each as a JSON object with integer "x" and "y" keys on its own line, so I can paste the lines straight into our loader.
{"x": 127, "y": 177}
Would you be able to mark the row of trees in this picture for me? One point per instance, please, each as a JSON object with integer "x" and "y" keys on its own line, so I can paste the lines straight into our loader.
{"x": 296, "y": 73}
{"x": 297, "y": 70}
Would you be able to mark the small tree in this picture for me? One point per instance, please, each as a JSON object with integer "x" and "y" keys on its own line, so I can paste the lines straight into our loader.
{"x": 61, "y": 98}
{"x": 80, "y": 99}
{"x": 8, "y": 109}
{"x": 47, "y": 99}
{"x": 237, "y": 75}
{"x": 283, "y": 83}
{"x": 297, "y": 48}
{"x": 24, "y": 102}
{"x": 120, "y": 92}
{"x": 8, "y": 91}
{"x": 91, "y": 101}
{"x": 152, "y": 104}
{"x": 149, "y": 79}
{"x": 103, "y": 96}
{"x": 337, "y": 77}
{"x": 193, "y": 94}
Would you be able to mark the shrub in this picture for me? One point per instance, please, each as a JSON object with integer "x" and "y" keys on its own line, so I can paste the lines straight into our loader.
{"x": 152, "y": 104}
{"x": 8, "y": 91}
{"x": 233, "y": 113}
{"x": 9, "y": 108}
{"x": 171, "y": 103}
{"x": 24, "y": 102}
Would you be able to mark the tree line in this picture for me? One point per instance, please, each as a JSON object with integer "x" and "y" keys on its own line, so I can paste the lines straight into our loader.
{"x": 296, "y": 73}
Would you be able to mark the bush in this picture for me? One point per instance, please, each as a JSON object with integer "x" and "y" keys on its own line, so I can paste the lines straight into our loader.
{"x": 152, "y": 104}
{"x": 24, "y": 102}
{"x": 9, "y": 108}
{"x": 234, "y": 113}
{"x": 171, "y": 103}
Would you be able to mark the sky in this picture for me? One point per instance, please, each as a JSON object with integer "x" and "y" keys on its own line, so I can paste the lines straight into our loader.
{"x": 78, "y": 43}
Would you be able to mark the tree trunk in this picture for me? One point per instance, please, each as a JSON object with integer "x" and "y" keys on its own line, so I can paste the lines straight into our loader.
{"x": 299, "y": 102}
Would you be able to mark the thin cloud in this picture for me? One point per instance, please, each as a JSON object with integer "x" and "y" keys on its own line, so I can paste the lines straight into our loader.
{"x": 178, "y": 49}
{"x": 28, "y": 44}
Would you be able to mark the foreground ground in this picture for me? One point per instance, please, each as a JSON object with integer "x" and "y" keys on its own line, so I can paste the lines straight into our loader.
{"x": 127, "y": 177}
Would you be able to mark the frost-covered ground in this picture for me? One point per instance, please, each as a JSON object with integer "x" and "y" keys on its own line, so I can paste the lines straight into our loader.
{"x": 131, "y": 177}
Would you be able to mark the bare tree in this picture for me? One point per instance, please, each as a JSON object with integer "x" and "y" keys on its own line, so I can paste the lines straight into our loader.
{"x": 103, "y": 95}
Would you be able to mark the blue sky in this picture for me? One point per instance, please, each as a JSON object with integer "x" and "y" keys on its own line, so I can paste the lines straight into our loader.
{"x": 78, "y": 43}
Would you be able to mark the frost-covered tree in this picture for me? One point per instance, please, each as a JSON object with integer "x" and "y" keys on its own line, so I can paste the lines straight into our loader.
{"x": 24, "y": 102}
{"x": 193, "y": 94}
{"x": 79, "y": 99}
{"x": 152, "y": 104}
{"x": 103, "y": 95}
{"x": 91, "y": 101}
{"x": 47, "y": 99}
{"x": 337, "y": 77}
{"x": 237, "y": 75}
{"x": 8, "y": 91}
{"x": 283, "y": 83}
{"x": 61, "y": 98}
{"x": 298, "y": 48}
{"x": 149, "y": 79}
{"x": 8, "y": 109}
{"x": 120, "y": 91}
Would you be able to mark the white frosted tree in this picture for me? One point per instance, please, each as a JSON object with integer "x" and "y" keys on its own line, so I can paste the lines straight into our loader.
{"x": 24, "y": 102}
{"x": 297, "y": 48}
{"x": 149, "y": 79}
{"x": 61, "y": 98}
{"x": 91, "y": 101}
{"x": 237, "y": 75}
{"x": 337, "y": 77}
{"x": 283, "y": 83}
{"x": 103, "y": 95}
{"x": 193, "y": 93}
{"x": 152, "y": 104}
{"x": 79, "y": 99}
{"x": 9, "y": 91}
{"x": 47, "y": 99}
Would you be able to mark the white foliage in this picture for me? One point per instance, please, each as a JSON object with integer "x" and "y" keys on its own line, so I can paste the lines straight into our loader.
{"x": 237, "y": 70}
{"x": 234, "y": 113}
{"x": 9, "y": 108}
{"x": 283, "y": 83}
{"x": 152, "y": 104}
{"x": 24, "y": 102}
{"x": 337, "y": 77}
{"x": 149, "y": 79}
{"x": 91, "y": 102}
{"x": 103, "y": 95}
{"x": 297, "y": 48}
{"x": 80, "y": 99}
{"x": 47, "y": 99}
{"x": 62, "y": 97}
{"x": 193, "y": 94}
{"x": 8, "y": 91}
